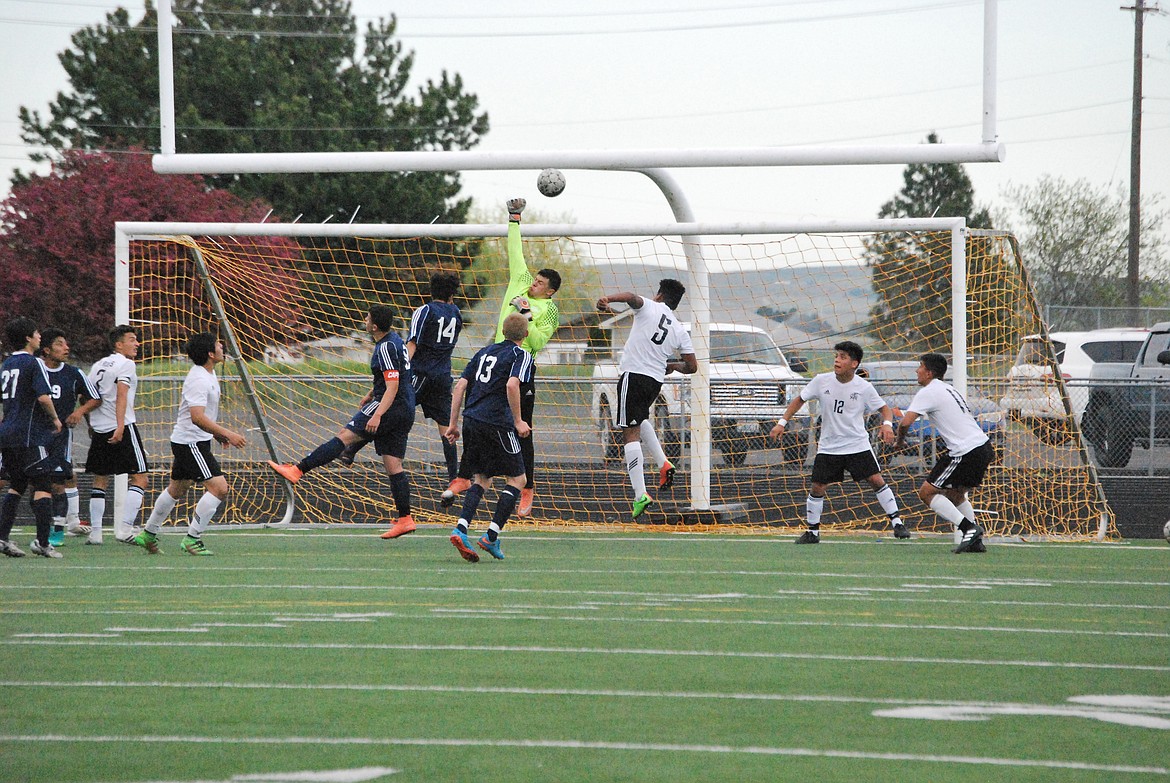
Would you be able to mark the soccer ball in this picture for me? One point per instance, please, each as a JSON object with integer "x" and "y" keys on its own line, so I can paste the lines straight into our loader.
{"x": 1166, "y": 532}
{"x": 551, "y": 182}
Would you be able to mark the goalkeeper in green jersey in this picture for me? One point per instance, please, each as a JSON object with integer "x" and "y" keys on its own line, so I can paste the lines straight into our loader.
{"x": 531, "y": 296}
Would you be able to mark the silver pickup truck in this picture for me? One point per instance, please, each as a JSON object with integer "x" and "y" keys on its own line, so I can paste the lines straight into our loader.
{"x": 1134, "y": 410}
{"x": 751, "y": 385}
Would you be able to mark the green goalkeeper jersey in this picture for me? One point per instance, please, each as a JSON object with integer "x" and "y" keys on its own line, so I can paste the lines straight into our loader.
{"x": 546, "y": 316}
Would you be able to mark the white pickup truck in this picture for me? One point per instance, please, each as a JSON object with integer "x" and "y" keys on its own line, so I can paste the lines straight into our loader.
{"x": 751, "y": 385}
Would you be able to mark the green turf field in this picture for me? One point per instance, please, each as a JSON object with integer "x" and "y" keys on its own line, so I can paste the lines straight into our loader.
{"x": 585, "y": 657}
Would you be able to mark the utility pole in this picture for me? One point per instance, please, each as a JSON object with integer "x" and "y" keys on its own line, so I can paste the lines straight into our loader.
{"x": 1135, "y": 160}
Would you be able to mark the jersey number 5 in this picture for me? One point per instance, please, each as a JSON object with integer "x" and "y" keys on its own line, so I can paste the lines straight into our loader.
{"x": 659, "y": 336}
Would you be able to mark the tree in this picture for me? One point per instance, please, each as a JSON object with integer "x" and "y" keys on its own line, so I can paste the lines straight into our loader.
{"x": 57, "y": 251}
{"x": 1074, "y": 237}
{"x": 270, "y": 75}
{"x": 912, "y": 271}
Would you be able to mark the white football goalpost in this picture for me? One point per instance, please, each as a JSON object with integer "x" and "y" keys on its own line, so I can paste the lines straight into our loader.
{"x": 655, "y": 164}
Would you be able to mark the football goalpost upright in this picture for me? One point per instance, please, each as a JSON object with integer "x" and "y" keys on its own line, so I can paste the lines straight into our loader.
{"x": 288, "y": 298}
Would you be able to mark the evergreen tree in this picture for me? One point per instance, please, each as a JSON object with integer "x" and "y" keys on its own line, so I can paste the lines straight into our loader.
{"x": 912, "y": 271}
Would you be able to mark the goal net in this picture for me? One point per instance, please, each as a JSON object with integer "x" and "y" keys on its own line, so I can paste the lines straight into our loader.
{"x": 765, "y": 310}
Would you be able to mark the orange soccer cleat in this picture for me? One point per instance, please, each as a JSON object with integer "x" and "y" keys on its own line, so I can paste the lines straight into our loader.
{"x": 526, "y": 496}
{"x": 403, "y": 526}
{"x": 289, "y": 472}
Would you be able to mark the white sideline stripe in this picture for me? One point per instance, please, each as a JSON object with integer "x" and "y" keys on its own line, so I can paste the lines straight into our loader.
{"x": 850, "y": 594}
{"x": 524, "y": 612}
{"x": 1138, "y": 704}
{"x": 158, "y": 630}
{"x": 66, "y": 635}
{"x": 1005, "y": 582}
{"x": 501, "y": 648}
{"x": 569, "y": 744}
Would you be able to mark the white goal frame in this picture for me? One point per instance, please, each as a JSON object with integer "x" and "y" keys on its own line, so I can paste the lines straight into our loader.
{"x": 698, "y": 293}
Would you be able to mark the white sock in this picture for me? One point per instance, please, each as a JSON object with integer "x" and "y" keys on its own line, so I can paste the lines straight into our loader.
{"x": 134, "y": 497}
{"x": 73, "y": 503}
{"x": 204, "y": 511}
{"x": 889, "y": 503}
{"x": 813, "y": 507}
{"x": 634, "y": 466}
{"x": 943, "y": 506}
{"x": 966, "y": 509}
{"x": 163, "y": 506}
{"x": 651, "y": 444}
{"x": 97, "y": 510}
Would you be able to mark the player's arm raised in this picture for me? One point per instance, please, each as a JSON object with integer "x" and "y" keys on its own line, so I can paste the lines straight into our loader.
{"x": 625, "y": 297}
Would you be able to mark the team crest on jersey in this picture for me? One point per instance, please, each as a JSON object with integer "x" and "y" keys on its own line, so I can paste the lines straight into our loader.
{"x": 854, "y": 395}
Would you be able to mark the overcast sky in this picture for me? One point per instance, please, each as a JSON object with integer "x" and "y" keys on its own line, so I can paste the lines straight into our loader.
{"x": 737, "y": 73}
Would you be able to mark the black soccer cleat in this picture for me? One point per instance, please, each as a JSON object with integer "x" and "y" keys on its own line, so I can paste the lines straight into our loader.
{"x": 972, "y": 541}
{"x": 809, "y": 537}
{"x": 901, "y": 532}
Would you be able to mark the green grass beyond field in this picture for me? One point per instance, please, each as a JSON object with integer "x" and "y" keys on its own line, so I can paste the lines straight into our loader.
{"x": 585, "y": 657}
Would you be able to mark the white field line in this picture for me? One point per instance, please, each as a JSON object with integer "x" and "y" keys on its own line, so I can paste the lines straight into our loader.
{"x": 849, "y": 594}
{"x": 1132, "y": 703}
{"x": 570, "y": 744}
{"x": 650, "y": 571}
{"x": 525, "y": 612}
{"x": 604, "y": 651}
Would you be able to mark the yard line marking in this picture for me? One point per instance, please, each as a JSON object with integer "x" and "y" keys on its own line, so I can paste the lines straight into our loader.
{"x": 1006, "y": 582}
{"x": 524, "y": 612}
{"x": 844, "y": 596}
{"x": 1151, "y": 706}
{"x": 549, "y": 650}
{"x": 570, "y": 744}
{"x": 66, "y": 635}
{"x": 158, "y": 630}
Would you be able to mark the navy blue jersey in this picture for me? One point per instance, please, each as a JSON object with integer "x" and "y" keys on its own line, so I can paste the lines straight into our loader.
{"x": 434, "y": 330}
{"x": 390, "y": 361}
{"x": 66, "y": 385}
{"x": 22, "y": 380}
{"x": 487, "y": 377}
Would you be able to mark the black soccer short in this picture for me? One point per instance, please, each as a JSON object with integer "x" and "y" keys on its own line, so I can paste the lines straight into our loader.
{"x": 433, "y": 393}
{"x": 491, "y": 451}
{"x": 967, "y": 471}
{"x": 635, "y": 396}
{"x": 113, "y": 459}
{"x": 194, "y": 462}
{"x": 25, "y": 462}
{"x": 830, "y": 468}
{"x": 391, "y": 437}
{"x": 61, "y": 455}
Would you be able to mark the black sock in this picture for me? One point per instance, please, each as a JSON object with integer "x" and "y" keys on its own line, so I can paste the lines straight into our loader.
{"x": 505, "y": 505}
{"x": 60, "y": 505}
{"x": 8, "y": 513}
{"x": 322, "y": 455}
{"x": 400, "y": 491}
{"x": 471, "y": 499}
{"x": 43, "y": 511}
{"x": 451, "y": 456}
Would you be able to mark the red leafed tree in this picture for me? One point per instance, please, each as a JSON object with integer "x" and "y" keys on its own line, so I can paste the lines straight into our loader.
{"x": 57, "y": 248}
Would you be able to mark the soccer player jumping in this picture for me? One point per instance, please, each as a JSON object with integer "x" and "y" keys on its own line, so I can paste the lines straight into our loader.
{"x": 493, "y": 430}
{"x": 656, "y": 335}
{"x": 530, "y": 296}
{"x": 385, "y": 416}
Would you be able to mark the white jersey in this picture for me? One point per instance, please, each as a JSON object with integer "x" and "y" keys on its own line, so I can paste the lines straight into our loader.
{"x": 656, "y": 335}
{"x": 950, "y": 415}
{"x": 105, "y": 376}
{"x": 844, "y": 407}
{"x": 200, "y": 390}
